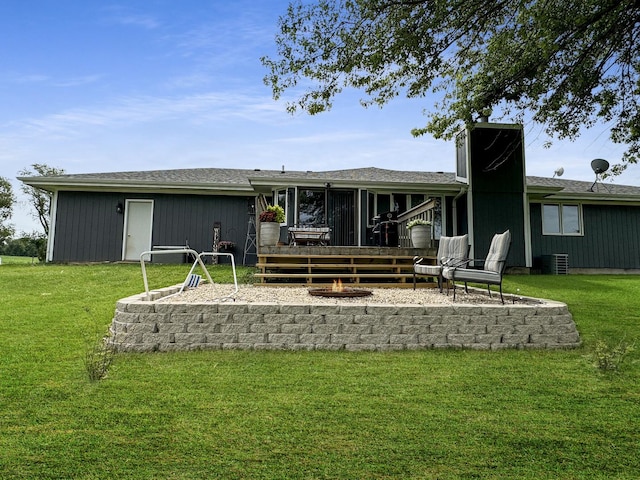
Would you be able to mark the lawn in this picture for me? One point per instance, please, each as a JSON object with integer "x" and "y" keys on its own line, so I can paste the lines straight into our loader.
{"x": 443, "y": 414}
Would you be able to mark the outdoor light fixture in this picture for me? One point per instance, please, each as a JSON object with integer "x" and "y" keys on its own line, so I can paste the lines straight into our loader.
{"x": 119, "y": 208}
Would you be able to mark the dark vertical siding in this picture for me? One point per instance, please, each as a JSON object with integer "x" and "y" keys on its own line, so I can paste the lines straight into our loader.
{"x": 89, "y": 229}
{"x": 611, "y": 238}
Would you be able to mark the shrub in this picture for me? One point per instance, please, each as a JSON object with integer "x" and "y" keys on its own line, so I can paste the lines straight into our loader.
{"x": 610, "y": 357}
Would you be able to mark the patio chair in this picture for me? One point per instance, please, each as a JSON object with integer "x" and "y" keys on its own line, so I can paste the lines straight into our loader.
{"x": 494, "y": 266}
{"x": 452, "y": 252}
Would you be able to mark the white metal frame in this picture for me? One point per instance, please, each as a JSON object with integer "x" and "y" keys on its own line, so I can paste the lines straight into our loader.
{"x": 197, "y": 261}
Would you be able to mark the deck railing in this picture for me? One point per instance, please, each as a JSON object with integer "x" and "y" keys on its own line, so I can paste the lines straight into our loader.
{"x": 424, "y": 211}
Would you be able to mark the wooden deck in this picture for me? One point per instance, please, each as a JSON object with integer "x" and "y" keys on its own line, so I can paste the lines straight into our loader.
{"x": 354, "y": 266}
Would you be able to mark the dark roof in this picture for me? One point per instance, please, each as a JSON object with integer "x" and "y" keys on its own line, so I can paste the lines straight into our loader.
{"x": 245, "y": 181}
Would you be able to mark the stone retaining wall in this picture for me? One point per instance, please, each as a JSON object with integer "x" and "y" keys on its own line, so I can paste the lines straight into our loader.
{"x": 144, "y": 326}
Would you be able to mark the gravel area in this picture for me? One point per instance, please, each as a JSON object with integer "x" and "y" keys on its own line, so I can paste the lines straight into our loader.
{"x": 296, "y": 295}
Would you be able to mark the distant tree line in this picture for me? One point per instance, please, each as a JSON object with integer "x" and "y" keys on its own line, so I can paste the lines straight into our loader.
{"x": 33, "y": 244}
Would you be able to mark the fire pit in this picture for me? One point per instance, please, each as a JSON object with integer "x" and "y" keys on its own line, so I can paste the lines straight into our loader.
{"x": 337, "y": 290}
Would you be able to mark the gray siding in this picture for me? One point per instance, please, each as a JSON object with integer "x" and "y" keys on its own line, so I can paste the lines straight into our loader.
{"x": 611, "y": 238}
{"x": 88, "y": 228}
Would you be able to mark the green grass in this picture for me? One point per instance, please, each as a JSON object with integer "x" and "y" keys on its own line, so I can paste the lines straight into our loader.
{"x": 280, "y": 415}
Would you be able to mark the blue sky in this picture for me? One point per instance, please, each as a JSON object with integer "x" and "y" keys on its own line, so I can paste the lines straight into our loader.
{"x": 93, "y": 86}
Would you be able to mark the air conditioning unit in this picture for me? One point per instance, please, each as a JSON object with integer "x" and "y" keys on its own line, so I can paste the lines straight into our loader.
{"x": 556, "y": 264}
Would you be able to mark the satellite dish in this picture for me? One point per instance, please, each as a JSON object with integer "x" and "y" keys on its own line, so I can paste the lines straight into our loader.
{"x": 599, "y": 166}
{"x": 559, "y": 172}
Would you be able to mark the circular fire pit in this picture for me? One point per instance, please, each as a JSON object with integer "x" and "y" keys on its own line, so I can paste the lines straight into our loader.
{"x": 344, "y": 292}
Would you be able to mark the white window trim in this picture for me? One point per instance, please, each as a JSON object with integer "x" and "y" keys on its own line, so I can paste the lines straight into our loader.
{"x": 560, "y": 210}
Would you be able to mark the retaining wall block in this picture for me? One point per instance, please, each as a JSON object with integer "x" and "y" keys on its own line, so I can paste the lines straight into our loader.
{"x": 561, "y": 328}
{"x": 375, "y": 339}
{"x": 189, "y": 338}
{"x": 426, "y": 320}
{"x": 186, "y": 318}
{"x": 297, "y": 328}
{"x": 234, "y": 328}
{"x": 152, "y": 338}
{"x": 222, "y": 338}
{"x": 253, "y": 318}
{"x": 543, "y": 338}
{"x": 233, "y": 308}
{"x": 356, "y": 328}
{"x": 515, "y": 339}
{"x": 461, "y": 338}
{"x": 325, "y": 329}
{"x": 171, "y": 308}
{"x": 386, "y": 329}
{"x": 217, "y": 318}
{"x": 484, "y": 319}
{"x": 538, "y": 319}
{"x": 277, "y": 319}
{"x": 266, "y": 328}
{"x": 139, "y": 307}
{"x": 403, "y": 338}
{"x": 203, "y": 308}
{"x": 309, "y": 319}
{"x": 344, "y": 339}
{"x": 360, "y": 347}
{"x": 339, "y": 319}
{"x": 154, "y": 318}
{"x": 488, "y": 338}
{"x": 455, "y": 319}
{"x": 352, "y": 309}
{"x": 415, "y": 329}
{"x": 264, "y": 308}
{"x": 472, "y": 329}
{"x": 324, "y": 309}
{"x": 294, "y": 309}
{"x": 467, "y": 309}
{"x": 390, "y": 320}
{"x": 252, "y": 337}
{"x": 444, "y": 329}
{"x": 283, "y": 338}
{"x": 380, "y": 310}
{"x": 141, "y": 327}
{"x": 528, "y": 329}
{"x": 315, "y": 338}
{"x": 126, "y": 317}
{"x": 432, "y": 339}
{"x": 202, "y": 328}
{"x": 500, "y": 329}
{"x": 514, "y": 318}
{"x": 562, "y": 319}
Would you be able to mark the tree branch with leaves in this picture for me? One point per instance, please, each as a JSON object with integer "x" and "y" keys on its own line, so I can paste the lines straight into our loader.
{"x": 568, "y": 65}
{"x": 40, "y": 199}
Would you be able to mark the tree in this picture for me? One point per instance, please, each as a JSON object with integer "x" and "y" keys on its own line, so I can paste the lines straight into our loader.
{"x": 568, "y": 64}
{"x": 40, "y": 199}
{"x": 7, "y": 199}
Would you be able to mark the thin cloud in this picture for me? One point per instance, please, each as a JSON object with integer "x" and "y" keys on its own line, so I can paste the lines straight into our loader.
{"x": 128, "y": 111}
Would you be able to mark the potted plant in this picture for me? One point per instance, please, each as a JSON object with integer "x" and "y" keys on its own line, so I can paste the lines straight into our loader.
{"x": 420, "y": 231}
{"x": 270, "y": 221}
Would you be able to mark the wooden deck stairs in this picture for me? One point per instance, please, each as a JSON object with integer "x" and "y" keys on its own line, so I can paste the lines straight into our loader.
{"x": 353, "y": 266}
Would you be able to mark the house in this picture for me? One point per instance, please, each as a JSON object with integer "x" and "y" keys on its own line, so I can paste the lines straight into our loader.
{"x": 116, "y": 216}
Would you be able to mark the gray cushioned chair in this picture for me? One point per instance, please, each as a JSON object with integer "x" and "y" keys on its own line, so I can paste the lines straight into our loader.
{"x": 494, "y": 266}
{"x": 452, "y": 251}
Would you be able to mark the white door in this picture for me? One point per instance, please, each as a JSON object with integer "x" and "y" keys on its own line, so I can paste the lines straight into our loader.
{"x": 138, "y": 222}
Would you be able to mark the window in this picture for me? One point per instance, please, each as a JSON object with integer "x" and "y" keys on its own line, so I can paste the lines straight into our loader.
{"x": 311, "y": 206}
{"x": 280, "y": 198}
{"x": 561, "y": 219}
